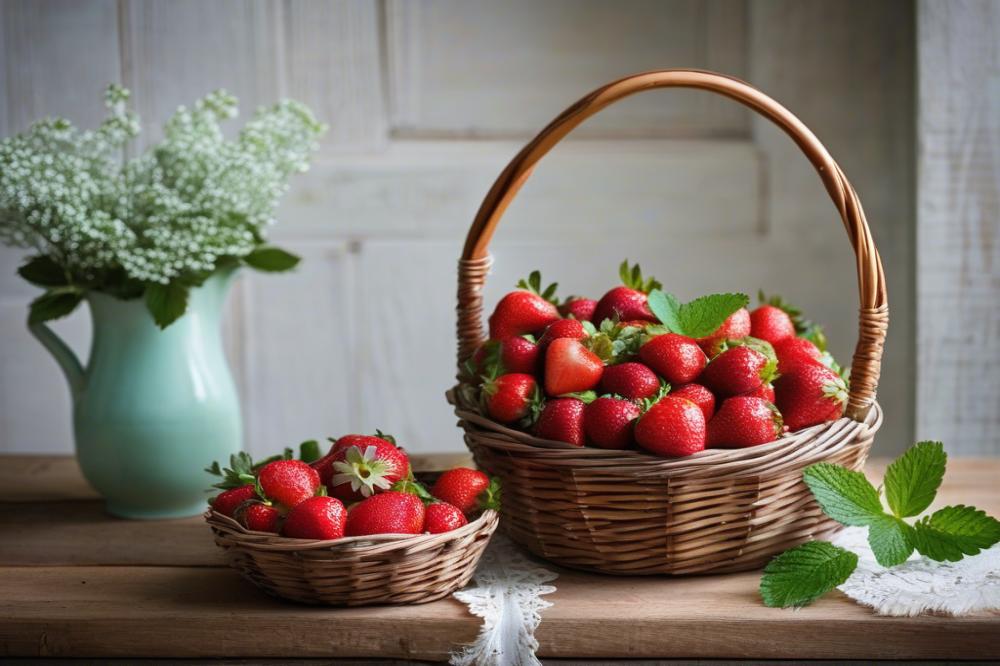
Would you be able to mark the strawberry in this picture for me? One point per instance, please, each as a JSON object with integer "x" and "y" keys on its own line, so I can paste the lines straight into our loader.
{"x": 361, "y": 472}
{"x": 764, "y": 391}
{"x": 390, "y": 512}
{"x": 563, "y": 328}
{"x": 810, "y": 394}
{"x": 744, "y": 421}
{"x": 736, "y": 326}
{"x": 570, "y": 367}
{"x": 288, "y": 482}
{"x": 634, "y": 381}
{"x": 562, "y": 420}
{"x": 519, "y": 354}
{"x": 676, "y": 358}
{"x": 672, "y": 427}
{"x": 739, "y": 369}
{"x": 699, "y": 395}
{"x": 443, "y": 517}
{"x": 793, "y": 351}
{"x": 771, "y": 323}
{"x": 227, "y": 502}
{"x": 627, "y": 302}
{"x": 527, "y": 310}
{"x": 608, "y": 421}
{"x": 259, "y": 517}
{"x": 578, "y": 307}
{"x": 318, "y": 517}
{"x": 511, "y": 397}
{"x": 468, "y": 489}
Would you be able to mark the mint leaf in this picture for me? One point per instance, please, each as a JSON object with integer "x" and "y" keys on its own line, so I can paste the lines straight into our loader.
{"x": 891, "y": 540}
{"x": 954, "y": 531}
{"x": 43, "y": 271}
{"x": 166, "y": 302}
{"x": 912, "y": 480}
{"x": 699, "y": 318}
{"x": 846, "y": 496}
{"x": 54, "y": 304}
{"x": 801, "y": 575}
{"x": 271, "y": 259}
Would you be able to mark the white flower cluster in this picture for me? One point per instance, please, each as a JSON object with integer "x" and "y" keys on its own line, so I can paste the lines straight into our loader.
{"x": 173, "y": 212}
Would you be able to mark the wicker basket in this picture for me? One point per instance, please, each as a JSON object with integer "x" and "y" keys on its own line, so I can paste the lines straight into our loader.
{"x": 625, "y": 512}
{"x": 355, "y": 571}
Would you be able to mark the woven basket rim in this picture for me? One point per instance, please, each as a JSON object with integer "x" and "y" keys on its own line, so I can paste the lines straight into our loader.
{"x": 348, "y": 546}
{"x": 519, "y": 442}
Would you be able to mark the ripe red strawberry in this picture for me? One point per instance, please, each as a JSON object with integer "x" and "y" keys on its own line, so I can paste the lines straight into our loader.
{"x": 736, "y": 326}
{"x": 627, "y": 302}
{"x": 527, "y": 310}
{"x": 699, "y": 395}
{"x": 390, "y": 512}
{"x": 563, "y": 328}
{"x": 810, "y": 394}
{"x": 578, "y": 308}
{"x": 509, "y": 397}
{"x": 738, "y": 370}
{"x": 793, "y": 351}
{"x": 570, "y": 367}
{"x": 771, "y": 323}
{"x": 443, "y": 517}
{"x": 519, "y": 354}
{"x": 562, "y": 420}
{"x": 318, "y": 517}
{"x": 227, "y": 502}
{"x": 634, "y": 381}
{"x": 361, "y": 472}
{"x": 764, "y": 391}
{"x": 676, "y": 358}
{"x": 672, "y": 427}
{"x": 468, "y": 489}
{"x": 259, "y": 517}
{"x": 608, "y": 421}
{"x": 288, "y": 482}
{"x": 744, "y": 421}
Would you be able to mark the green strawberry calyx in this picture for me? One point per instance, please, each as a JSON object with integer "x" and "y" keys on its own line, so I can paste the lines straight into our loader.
{"x": 534, "y": 285}
{"x": 632, "y": 278}
{"x": 836, "y": 390}
{"x": 411, "y": 486}
{"x": 647, "y": 403}
{"x": 490, "y": 497}
{"x": 364, "y": 470}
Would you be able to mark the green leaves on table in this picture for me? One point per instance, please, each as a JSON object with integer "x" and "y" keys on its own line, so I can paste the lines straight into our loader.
{"x": 803, "y": 574}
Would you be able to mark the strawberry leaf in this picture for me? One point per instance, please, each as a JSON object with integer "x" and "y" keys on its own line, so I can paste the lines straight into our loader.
{"x": 803, "y": 574}
{"x": 699, "y": 318}
{"x": 844, "y": 495}
{"x": 912, "y": 480}
{"x": 891, "y": 540}
{"x": 955, "y": 531}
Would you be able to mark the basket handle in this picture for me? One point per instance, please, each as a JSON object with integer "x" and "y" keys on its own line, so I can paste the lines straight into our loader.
{"x": 874, "y": 310}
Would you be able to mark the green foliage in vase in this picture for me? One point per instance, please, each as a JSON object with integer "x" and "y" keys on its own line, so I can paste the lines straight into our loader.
{"x": 158, "y": 224}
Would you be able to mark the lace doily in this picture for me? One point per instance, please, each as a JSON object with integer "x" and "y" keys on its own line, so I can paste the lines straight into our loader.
{"x": 507, "y": 593}
{"x": 919, "y": 585}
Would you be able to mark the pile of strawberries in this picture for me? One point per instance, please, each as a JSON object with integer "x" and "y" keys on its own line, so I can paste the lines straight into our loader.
{"x": 363, "y": 486}
{"x": 639, "y": 368}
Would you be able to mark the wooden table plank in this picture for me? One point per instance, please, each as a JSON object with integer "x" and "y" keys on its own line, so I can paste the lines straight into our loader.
{"x": 182, "y": 606}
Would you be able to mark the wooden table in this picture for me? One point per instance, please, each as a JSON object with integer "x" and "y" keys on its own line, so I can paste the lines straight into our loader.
{"x": 75, "y": 582}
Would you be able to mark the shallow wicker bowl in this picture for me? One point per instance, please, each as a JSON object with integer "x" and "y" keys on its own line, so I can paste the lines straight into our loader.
{"x": 355, "y": 571}
{"x": 625, "y": 512}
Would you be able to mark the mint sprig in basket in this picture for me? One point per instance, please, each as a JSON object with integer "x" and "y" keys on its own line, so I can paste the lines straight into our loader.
{"x": 626, "y": 512}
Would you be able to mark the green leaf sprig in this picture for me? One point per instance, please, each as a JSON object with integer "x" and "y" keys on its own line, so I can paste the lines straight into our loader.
{"x": 697, "y": 319}
{"x": 801, "y": 575}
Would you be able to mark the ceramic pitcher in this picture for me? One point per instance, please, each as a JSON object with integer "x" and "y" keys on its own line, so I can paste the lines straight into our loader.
{"x": 152, "y": 408}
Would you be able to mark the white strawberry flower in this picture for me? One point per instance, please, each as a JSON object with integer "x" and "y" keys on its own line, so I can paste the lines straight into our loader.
{"x": 365, "y": 471}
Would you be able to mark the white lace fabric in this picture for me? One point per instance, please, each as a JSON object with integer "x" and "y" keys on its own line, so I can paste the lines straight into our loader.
{"x": 507, "y": 593}
{"x": 919, "y": 585}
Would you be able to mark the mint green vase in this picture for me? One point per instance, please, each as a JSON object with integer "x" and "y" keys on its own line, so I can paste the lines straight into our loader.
{"x": 152, "y": 408}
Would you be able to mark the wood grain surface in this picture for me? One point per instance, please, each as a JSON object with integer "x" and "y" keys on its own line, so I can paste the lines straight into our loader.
{"x": 74, "y": 582}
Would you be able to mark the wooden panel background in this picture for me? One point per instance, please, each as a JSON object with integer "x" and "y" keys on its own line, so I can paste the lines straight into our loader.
{"x": 427, "y": 100}
{"x": 958, "y": 260}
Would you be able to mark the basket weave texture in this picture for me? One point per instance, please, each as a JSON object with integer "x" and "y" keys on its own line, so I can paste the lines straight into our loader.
{"x": 356, "y": 571}
{"x": 626, "y": 512}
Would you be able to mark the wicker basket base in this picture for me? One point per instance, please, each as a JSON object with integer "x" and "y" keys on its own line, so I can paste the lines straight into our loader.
{"x": 356, "y": 571}
{"x": 628, "y": 513}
